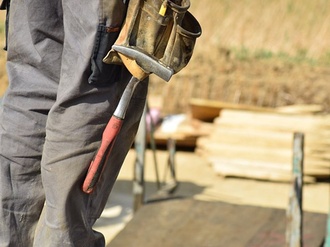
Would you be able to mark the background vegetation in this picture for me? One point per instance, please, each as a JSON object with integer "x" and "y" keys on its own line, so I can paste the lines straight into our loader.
{"x": 267, "y": 53}
{"x": 296, "y": 29}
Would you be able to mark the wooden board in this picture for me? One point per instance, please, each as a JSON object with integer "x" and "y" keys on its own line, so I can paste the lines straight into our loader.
{"x": 254, "y": 170}
{"x": 254, "y": 153}
{"x": 193, "y": 223}
{"x": 207, "y": 110}
{"x": 271, "y": 138}
{"x": 274, "y": 122}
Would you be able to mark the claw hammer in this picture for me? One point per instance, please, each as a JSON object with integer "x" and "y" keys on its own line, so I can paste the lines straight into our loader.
{"x": 108, "y": 138}
{"x": 114, "y": 125}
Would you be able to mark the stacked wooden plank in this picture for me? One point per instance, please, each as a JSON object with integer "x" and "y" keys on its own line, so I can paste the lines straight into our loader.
{"x": 256, "y": 144}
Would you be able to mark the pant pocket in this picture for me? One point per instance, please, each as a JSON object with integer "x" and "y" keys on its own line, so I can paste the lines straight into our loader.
{"x": 104, "y": 74}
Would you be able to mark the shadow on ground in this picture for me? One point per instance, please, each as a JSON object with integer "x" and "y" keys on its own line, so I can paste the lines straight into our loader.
{"x": 119, "y": 207}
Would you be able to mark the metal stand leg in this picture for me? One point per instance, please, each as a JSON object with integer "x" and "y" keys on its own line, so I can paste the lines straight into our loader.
{"x": 327, "y": 237}
{"x": 140, "y": 148}
{"x": 167, "y": 187}
{"x": 294, "y": 231}
{"x": 153, "y": 145}
{"x": 170, "y": 186}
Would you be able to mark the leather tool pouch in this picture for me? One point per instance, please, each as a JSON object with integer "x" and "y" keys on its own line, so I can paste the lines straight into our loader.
{"x": 5, "y": 5}
{"x": 162, "y": 29}
{"x": 181, "y": 43}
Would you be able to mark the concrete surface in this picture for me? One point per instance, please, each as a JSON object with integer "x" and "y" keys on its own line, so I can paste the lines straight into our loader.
{"x": 198, "y": 180}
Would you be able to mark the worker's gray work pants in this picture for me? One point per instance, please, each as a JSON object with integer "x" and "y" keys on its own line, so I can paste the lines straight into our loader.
{"x": 52, "y": 117}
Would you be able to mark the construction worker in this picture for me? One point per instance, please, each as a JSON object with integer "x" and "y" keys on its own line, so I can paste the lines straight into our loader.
{"x": 59, "y": 100}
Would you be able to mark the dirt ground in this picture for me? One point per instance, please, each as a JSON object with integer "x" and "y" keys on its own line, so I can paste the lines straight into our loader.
{"x": 262, "y": 82}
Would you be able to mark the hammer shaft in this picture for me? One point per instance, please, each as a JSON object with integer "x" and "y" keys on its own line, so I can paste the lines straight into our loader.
{"x": 109, "y": 135}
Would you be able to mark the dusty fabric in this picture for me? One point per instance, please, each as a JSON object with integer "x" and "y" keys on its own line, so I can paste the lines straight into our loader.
{"x": 52, "y": 116}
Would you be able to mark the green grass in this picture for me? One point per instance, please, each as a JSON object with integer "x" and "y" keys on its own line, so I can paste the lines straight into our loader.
{"x": 301, "y": 56}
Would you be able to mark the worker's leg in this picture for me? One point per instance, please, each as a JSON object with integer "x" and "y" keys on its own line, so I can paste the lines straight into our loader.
{"x": 33, "y": 68}
{"x": 75, "y": 125}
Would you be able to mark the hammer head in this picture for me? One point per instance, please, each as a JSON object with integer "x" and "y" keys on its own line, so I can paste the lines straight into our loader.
{"x": 146, "y": 62}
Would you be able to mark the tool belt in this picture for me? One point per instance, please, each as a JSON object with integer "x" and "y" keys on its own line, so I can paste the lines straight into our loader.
{"x": 158, "y": 36}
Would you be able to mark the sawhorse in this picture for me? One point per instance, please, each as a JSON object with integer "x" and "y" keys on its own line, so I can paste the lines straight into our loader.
{"x": 165, "y": 188}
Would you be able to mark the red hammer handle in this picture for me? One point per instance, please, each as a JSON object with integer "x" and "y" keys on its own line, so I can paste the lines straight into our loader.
{"x": 100, "y": 159}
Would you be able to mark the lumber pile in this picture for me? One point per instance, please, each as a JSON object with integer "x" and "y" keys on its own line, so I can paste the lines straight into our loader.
{"x": 258, "y": 145}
